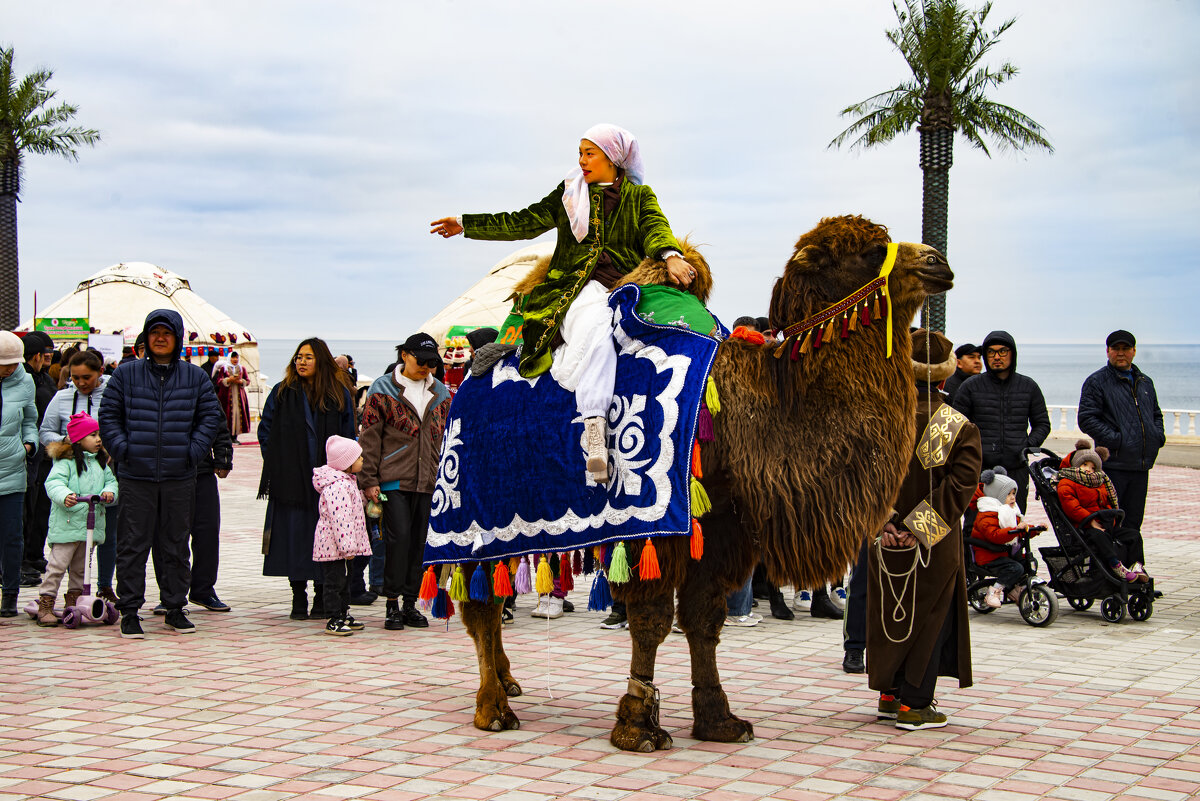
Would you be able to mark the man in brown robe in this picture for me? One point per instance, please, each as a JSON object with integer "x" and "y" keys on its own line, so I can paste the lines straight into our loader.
{"x": 917, "y": 624}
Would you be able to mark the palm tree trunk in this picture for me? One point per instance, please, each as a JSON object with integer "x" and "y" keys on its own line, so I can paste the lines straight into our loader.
{"x": 937, "y": 155}
{"x": 10, "y": 297}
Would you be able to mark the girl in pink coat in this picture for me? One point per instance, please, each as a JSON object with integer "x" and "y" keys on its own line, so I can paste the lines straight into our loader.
{"x": 341, "y": 531}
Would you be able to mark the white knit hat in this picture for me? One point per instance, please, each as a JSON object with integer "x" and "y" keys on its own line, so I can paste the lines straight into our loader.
{"x": 341, "y": 453}
{"x": 12, "y": 349}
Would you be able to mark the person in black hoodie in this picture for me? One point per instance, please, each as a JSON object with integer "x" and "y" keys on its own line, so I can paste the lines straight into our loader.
{"x": 968, "y": 362}
{"x": 1007, "y": 407}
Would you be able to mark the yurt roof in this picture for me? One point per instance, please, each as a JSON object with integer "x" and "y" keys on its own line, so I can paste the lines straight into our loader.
{"x": 487, "y": 302}
{"x": 123, "y": 294}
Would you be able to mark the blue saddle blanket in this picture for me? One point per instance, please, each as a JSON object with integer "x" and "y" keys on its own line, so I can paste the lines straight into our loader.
{"x": 513, "y": 477}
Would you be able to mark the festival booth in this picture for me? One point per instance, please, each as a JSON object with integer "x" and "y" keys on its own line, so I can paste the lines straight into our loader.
{"x": 119, "y": 297}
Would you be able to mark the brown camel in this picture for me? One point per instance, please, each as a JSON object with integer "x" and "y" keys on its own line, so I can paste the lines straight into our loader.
{"x": 810, "y": 446}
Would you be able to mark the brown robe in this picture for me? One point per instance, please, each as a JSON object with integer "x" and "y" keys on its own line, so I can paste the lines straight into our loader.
{"x": 940, "y": 586}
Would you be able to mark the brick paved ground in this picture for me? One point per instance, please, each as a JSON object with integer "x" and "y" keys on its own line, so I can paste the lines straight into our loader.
{"x": 255, "y": 707}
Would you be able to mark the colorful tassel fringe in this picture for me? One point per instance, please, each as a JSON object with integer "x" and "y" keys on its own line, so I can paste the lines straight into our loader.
{"x": 589, "y": 561}
{"x": 704, "y": 425}
{"x": 521, "y": 582}
{"x": 618, "y": 568}
{"x": 577, "y": 563}
{"x": 429, "y": 585}
{"x": 697, "y": 471}
{"x": 600, "y": 598}
{"x": 711, "y": 399}
{"x": 648, "y": 565}
{"x": 565, "y": 577}
{"x": 701, "y": 505}
{"x": 440, "y": 603}
{"x": 544, "y": 582}
{"x": 697, "y": 541}
{"x": 479, "y": 584}
{"x": 501, "y": 582}
{"x": 458, "y": 586}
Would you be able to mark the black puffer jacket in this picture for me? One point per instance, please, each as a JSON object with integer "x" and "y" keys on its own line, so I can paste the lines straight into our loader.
{"x": 220, "y": 456}
{"x": 1122, "y": 414}
{"x": 1010, "y": 412}
{"x": 159, "y": 420}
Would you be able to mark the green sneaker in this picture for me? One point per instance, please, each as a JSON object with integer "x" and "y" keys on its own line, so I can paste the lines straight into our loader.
{"x": 889, "y": 705}
{"x": 914, "y": 719}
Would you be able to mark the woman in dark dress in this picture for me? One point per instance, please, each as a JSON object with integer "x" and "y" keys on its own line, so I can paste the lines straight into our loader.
{"x": 310, "y": 404}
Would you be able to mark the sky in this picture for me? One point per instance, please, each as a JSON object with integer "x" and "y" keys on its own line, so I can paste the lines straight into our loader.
{"x": 288, "y": 157}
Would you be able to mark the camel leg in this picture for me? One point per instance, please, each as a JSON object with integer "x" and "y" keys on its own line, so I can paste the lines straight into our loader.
{"x": 492, "y": 713}
{"x": 503, "y": 672}
{"x": 637, "y": 726}
{"x": 701, "y": 616}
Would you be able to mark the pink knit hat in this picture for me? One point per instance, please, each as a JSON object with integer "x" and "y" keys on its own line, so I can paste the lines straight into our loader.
{"x": 341, "y": 453}
{"x": 80, "y": 425}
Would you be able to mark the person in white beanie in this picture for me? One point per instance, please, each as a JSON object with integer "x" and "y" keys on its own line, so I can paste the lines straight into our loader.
{"x": 341, "y": 531}
{"x": 18, "y": 440}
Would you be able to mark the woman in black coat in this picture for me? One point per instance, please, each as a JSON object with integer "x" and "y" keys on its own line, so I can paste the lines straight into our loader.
{"x": 310, "y": 404}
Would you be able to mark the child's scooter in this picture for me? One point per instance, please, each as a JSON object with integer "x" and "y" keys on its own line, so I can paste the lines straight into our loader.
{"x": 88, "y": 608}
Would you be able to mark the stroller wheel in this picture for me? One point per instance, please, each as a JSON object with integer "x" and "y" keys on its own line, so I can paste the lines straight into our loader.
{"x": 976, "y": 594}
{"x": 1080, "y": 604}
{"x": 1039, "y": 605}
{"x": 1112, "y": 609}
{"x": 1141, "y": 607}
{"x": 71, "y": 617}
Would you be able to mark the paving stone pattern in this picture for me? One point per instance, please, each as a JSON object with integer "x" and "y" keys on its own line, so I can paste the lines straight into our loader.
{"x": 256, "y": 707}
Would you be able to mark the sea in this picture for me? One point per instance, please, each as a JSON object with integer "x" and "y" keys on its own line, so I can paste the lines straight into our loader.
{"x": 1058, "y": 369}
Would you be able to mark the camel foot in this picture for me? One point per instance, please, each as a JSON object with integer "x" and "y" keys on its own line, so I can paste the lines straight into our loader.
{"x": 511, "y": 688}
{"x": 496, "y": 718}
{"x": 637, "y": 726}
{"x": 728, "y": 730}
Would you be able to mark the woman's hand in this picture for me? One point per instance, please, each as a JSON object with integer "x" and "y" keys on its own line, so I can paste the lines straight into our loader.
{"x": 107, "y": 497}
{"x": 893, "y": 537}
{"x": 372, "y": 494}
{"x": 680, "y": 271}
{"x": 70, "y": 500}
{"x": 446, "y": 227}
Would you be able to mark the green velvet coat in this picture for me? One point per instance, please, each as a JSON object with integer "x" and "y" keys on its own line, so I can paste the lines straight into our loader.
{"x": 636, "y": 229}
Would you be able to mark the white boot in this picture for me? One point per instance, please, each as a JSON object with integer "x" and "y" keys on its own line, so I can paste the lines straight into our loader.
{"x": 595, "y": 434}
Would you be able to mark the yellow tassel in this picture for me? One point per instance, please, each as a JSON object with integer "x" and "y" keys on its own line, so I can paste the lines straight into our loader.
{"x": 829, "y": 333}
{"x": 782, "y": 346}
{"x": 854, "y": 314}
{"x": 618, "y": 567}
{"x": 875, "y": 309}
{"x": 806, "y": 345}
{"x": 598, "y": 554}
{"x": 648, "y": 566}
{"x": 696, "y": 471}
{"x": 711, "y": 399}
{"x": 513, "y": 564}
{"x": 545, "y": 579}
{"x": 697, "y": 542}
{"x": 701, "y": 505}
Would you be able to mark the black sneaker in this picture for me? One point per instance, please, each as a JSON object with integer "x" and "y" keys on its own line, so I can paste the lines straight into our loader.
{"x": 506, "y": 615}
{"x": 210, "y": 602}
{"x": 413, "y": 617}
{"x": 338, "y": 627}
{"x": 161, "y": 609}
{"x": 177, "y": 620}
{"x": 354, "y": 624}
{"x": 131, "y": 627}
{"x": 568, "y": 606}
{"x": 854, "y": 661}
{"x": 615, "y": 620}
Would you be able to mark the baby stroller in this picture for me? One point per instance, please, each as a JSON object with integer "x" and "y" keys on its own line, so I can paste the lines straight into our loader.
{"x": 89, "y": 608}
{"x": 1037, "y": 603}
{"x": 1075, "y": 570}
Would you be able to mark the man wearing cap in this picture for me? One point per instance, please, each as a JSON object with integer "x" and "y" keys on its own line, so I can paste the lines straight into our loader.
{"x": 158, "y": 419}
{"x": 968, "y": 362}
{"x": 38, "y": 350}
{"x": 401, "y": 438}
{"x": 1118, "y": 408}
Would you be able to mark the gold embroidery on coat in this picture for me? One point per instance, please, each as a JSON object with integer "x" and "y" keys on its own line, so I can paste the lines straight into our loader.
{"x": 933, "y": 449}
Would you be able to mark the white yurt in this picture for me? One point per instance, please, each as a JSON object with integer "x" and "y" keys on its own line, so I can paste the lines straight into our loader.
{"x": 488, "y": 301}
{"x": 119, "y": 297}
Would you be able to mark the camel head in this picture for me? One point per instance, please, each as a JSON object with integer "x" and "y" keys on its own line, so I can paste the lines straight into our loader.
{"x": 842, "y": 254}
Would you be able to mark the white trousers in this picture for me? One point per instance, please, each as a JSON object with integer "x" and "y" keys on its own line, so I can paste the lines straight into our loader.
{"x": 586, "y": 362}
{"x": 65, "y": 557}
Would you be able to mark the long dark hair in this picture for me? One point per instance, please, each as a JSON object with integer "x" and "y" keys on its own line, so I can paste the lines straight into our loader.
{"x": 80, "y": 465}
{"x": 329, "y": 383}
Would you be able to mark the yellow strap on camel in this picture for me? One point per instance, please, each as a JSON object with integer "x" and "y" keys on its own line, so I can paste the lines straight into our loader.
{"x": 888, "y": 263}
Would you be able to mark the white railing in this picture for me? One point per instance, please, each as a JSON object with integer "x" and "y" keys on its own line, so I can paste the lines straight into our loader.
{"x": 1179, "y": 424}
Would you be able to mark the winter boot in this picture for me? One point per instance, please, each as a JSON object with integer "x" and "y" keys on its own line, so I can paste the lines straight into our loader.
{"x": 595, "y": 434}
{"x": 8, "y": 604}
{"x": 45, "y": 611}
{"x": 107, "y": 594}
{"x": 823, "y": 607}
{"x": 318, "y": 607}
{"x": 299, "y": 601}
{"x": 779, "y": 607}
{"x": 70, "y": 599}
{"x": 394, "y": 620}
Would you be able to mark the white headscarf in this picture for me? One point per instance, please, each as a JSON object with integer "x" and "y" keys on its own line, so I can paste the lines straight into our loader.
{"x": 622, "y": 149}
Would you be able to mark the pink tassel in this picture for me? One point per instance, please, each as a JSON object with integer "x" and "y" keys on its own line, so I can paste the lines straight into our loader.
{"x": 522, "y": 583}
{"x": 704, "y": 425}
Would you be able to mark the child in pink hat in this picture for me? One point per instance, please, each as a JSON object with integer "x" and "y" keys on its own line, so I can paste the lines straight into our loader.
{"x": 341, "y": 531}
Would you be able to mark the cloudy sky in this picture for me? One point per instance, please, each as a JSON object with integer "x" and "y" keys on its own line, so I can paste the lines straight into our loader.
{"x": 288, "y": 157}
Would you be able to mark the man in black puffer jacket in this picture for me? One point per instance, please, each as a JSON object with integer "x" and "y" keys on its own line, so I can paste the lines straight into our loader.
{"x": 158, "y": 420}
{"x": 1008, "y": 408}
{"x": 1118, "y": 408}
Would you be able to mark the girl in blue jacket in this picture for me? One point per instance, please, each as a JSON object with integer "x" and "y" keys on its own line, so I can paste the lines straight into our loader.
{"x": 80, "y": 468}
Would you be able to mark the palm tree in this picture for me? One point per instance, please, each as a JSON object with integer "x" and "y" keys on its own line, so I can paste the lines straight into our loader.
{"x": 28, "y": 124}
{"x": 944, "y": 45}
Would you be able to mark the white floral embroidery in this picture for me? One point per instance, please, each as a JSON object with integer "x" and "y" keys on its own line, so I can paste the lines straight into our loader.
{"x": 506, "y": 370}
{"x": 628, "y": 432}
{"x": 445, "y": 492}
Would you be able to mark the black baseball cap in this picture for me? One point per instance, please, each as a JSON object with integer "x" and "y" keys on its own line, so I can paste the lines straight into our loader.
{"x": 422, "y": 346}
{"x": 965, "y": 348}
{"x": 1120, "y": 336}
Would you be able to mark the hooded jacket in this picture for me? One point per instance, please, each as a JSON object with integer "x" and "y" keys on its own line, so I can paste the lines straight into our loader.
{"x": 70, "y": 525}
{"x": 398, "y": 444}
{"x": 1010, "y": 412}
{"x": 65, "y": 403}
{"x": 341, "y": 525}
{"x": 1122, "y": 414}
{"x": 18, "y": 426}
{"x": 159, "y": 420}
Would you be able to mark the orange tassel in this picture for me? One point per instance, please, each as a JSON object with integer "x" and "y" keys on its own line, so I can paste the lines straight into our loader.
{"x": 854, "y": 318}
{"x": 429, "y": 585}
{"x": 828, "y": 332}
{"x": 501, "y": 582}
{"x": 697, "y": 543}
{"x": 875, "y": 308}
{"x": 648, "y": 566}
{"x": 696, "y": 459}
{"x": 779, "y": 350}
{"x": 804, "y": 347}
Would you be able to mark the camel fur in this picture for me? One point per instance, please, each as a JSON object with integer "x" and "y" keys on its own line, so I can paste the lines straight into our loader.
{"x": 807, "y": 459}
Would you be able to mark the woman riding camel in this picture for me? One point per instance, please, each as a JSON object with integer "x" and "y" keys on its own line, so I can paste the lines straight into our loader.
{"x": 608, "y": 221}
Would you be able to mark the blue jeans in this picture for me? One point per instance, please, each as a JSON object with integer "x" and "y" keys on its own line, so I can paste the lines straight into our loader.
{"x": 1008, "y": 571}
{"x": 12, "y": 540}
{"x": 106, "y": 552}
{"x": 741, "y": 601}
